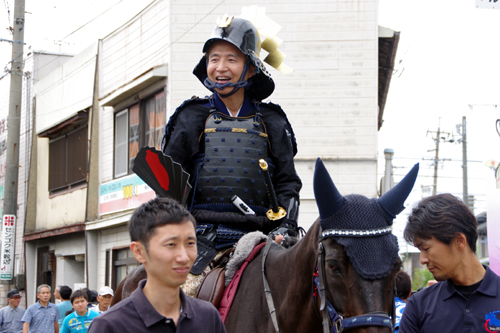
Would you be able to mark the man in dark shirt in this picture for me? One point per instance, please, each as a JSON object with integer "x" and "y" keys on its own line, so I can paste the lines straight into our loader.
{"x": 467, "y": 297}
{"x": 163, "y": 240}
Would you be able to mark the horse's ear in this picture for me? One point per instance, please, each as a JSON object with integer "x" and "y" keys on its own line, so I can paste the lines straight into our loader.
{"x": 328, "y": 198}
{"x": 393, "y": 201}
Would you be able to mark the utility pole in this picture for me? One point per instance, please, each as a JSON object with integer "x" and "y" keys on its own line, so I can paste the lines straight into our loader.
{"x": 437, "y": 139}
{"x": 465, "y": 194}
{"x": 13, "y": 128}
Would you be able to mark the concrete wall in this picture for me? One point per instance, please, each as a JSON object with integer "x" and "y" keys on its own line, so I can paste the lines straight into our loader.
{"x": 66, "y": 90}
{"x": 59, "y": 210}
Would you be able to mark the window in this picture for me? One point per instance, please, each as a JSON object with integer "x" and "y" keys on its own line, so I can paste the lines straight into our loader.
{"x": 139, "y": 125}
{"x": 123, "y": 263}
{"x": 68, "y": 156}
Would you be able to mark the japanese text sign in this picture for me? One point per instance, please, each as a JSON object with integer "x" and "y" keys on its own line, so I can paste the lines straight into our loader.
{"x": 7, "y": 256}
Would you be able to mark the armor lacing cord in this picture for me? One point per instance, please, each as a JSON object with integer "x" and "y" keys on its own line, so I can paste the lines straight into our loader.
{"x": 256, "y": 118}
{"x": 213, "y": 110}
{"x": 195, "y": 180}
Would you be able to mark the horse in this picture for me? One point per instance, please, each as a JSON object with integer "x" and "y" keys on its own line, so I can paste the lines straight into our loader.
{"x": 339, "y": 276}
{"x": 351, "y": 231}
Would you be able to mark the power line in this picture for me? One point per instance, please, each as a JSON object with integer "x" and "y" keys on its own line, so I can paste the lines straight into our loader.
{"x": 93, "y": 19}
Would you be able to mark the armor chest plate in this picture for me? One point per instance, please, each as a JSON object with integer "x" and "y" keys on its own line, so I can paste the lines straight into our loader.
{"x": 230, "y": 166}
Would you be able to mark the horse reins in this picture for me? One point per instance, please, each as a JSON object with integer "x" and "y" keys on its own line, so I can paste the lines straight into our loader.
{"x": 329, "y": 314}
{"x": 267, "y": 289}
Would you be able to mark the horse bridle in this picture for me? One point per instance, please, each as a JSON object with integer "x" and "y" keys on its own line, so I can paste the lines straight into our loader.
{"x": 328, "y": 312}
{"x": 330, "y": 317}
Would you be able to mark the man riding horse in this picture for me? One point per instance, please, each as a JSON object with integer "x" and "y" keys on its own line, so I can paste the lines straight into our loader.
{"x": 222, "y": 138}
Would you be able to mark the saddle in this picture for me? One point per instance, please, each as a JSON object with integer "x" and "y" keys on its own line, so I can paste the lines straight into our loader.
{"x": 212, "y": 287}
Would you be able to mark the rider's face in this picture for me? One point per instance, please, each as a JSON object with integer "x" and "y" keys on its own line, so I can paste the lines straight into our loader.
{"x": 225, "y": 64}
{"x": 171, "y": 253}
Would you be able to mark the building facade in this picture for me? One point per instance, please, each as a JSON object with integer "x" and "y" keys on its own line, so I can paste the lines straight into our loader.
{"x": 95, "y": 111}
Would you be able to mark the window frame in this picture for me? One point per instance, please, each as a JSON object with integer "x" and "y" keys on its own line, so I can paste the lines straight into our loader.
{"x": 65, "y": 135}
{"x": 141, "y": 103}
{"x": 115, "y": 263}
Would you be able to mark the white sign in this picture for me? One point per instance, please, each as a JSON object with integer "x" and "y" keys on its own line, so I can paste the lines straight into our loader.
{"x": 8, "y": 236}
{"x": 490, "y": 4}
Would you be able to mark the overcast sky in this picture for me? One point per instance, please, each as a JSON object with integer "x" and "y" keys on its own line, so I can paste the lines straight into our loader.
{"x": 447, "y": 68}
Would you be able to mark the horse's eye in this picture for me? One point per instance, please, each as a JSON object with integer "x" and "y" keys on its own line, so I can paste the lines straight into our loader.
{"x": 333, "y": 266}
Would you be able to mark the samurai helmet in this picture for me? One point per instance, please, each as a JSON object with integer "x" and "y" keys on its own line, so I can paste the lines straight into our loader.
{"x": 244, "y": 35}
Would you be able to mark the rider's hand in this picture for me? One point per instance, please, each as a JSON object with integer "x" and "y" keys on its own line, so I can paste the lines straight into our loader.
{"x": 279, "y": 238}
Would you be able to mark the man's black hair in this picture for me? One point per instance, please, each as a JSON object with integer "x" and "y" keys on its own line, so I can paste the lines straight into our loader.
{"x": 65, "y": 292}
{"x": 403, "y": 285}
{"x": 91, "y": 295}
{"x": 443, "y": 217}
{"x": 79, "y": 293}
{"x": 156, "y": 213}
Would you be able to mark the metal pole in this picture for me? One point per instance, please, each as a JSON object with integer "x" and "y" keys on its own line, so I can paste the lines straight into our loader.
{"x": 388, "y": 152}
{"x": 436, "y": 162}
{"x": 464, "y": 161}
{"x": 14, "y": 117}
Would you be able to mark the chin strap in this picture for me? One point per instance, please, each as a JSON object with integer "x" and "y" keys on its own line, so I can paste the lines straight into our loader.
{"x": 242, "y": 83}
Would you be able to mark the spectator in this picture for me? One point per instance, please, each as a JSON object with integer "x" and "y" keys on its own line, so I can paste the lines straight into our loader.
{"x": 11, "y": 315}
{"x": 43, "y": 316}
{"x": 467, "y": 299}
{"x": 104, "y": 300}
{"x": 80, "y": 320}
{"x": 65, "y": 305}
{"x": 57, "y": 295}
{"x": 403, "y": 291}
{"x": 91, "y": 297}
{"x": 164, "y": 240}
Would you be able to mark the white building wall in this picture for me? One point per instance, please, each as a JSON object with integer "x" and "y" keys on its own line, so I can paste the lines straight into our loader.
{"x": 65, "y": 90}
{"x": 125, "y": 54}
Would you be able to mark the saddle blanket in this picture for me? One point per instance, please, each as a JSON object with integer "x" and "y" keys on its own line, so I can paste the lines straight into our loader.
{"x": 230, "y": 291}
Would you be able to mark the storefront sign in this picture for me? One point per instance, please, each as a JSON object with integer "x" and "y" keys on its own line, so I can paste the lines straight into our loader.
{"x": 124, "y": 193}
{"x": 8, "y": 236}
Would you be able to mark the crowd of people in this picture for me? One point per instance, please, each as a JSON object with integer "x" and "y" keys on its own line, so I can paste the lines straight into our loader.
{"x": 73, "y": 313}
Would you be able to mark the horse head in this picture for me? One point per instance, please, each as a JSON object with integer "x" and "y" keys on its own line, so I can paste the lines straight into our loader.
{"x": 358, "y": 254}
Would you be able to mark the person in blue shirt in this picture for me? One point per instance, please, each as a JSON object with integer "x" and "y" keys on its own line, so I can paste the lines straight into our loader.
{"x": 403, "y": 291}
{"x": 65, "y": 305}
{"x": 467, "y": 297}
{"x": 82, "y": 317}
{"x": 43, "y": 316}
{"x": 11, "y": 315}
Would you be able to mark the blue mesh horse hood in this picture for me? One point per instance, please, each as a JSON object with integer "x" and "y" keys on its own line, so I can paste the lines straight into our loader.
{"x": 360, "y": 224}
